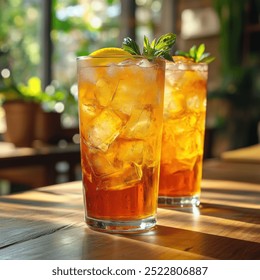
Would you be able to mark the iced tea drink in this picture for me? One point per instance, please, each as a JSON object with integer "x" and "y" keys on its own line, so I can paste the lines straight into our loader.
{"x": 121, "y": 114}
{"x": 183, "y": 133}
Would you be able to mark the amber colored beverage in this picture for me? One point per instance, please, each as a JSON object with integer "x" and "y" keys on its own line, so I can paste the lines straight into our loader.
{"x": 183, "y": 133}
{"x": 121, "y": 114}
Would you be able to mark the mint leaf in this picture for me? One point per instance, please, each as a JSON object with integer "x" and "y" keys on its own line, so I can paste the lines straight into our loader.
{"x": 182, "y": 53}
{"x": 165, "y": 42}
{"x": 130, "y": 46}
{"x": 197, "y": 54}
{"x": 200, "y": 51}
{"x": 208, "y": 59}
{"x": 157, "y": 48}
{"x": 193, "y": 51}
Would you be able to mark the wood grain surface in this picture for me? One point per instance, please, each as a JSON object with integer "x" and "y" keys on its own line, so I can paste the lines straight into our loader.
{"x": 249, "y": 154}
{"x": 239, "y": 171}
{"x": 48, "y": 223}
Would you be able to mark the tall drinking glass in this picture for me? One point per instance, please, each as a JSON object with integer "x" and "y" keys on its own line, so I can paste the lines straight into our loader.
{"x": 121, "y": 114}
{"x": 183, "y": 133}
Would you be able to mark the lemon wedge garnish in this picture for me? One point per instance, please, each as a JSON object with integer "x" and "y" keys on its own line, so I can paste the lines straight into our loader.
{"x": 110, "y": 52}
{"x": 107, "y": 56}
{"x": 179, "y": 58}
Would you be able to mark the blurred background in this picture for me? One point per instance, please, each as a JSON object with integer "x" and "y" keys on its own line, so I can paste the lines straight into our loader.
{"x": 40, "y": 40}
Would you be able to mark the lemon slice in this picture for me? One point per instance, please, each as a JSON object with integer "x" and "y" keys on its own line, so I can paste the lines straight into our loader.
{"x": 179, "y": 58}
{"x": 106, "y": 56}
{"x": 109, "y": 52}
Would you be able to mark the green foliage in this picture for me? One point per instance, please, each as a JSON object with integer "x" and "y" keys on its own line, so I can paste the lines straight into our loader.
{"x": 110, "y": 2}
{"x": 231, "y": 14}
{"x": 9, "y": 91}
{"x": 235, "y": 76}
{"x": 131, "y": 46}
{"x": 19, "y": 36}
{"x": 157, "y": 48}
{"x": 32, "y": 91}
{"x": 197, "y": 54}
{"x": 240, "y": 81}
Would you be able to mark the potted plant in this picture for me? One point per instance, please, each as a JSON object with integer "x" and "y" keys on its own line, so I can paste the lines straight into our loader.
{"x": 20, "y": 112}
{"x": 47, "y": 126}
{"x": 30, "y": 112}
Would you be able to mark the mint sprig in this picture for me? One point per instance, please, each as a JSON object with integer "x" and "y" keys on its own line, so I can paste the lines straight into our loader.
{"x": 157, "y": 48}
{"x": 197, "y": 54}
{"x": 130, "y": 46}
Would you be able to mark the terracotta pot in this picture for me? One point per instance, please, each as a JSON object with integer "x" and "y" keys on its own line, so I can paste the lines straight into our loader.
{"x": 20, "y": 122}
{"x": 47, "y": 126}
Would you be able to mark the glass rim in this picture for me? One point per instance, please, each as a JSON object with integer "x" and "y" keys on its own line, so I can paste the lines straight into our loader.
{"x": 105, "y": 61}
{"x": 183, "y": 65}
{"x": 84, "y": 57}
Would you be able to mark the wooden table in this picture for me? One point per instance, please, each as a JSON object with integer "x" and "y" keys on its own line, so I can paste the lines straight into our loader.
{"x": 250, "y": 154}
{"x": 47, "y": 223}
{"x": 238, "y": 165}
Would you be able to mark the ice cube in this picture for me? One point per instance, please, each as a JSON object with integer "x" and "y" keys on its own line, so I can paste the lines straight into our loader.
{"x": 124, "y": 99}
{"x": 105, "y": 91}
{"x": 139, "y": 124}
{"x": 151, "y": 150}
{"x": 105, "y": 171}
{"x": 103, "y": 130}
{"x": 174, "y": 104}
{"x": 134, "y": 90}
{"x": 127, "y": 62}
{"x": 183, "y": 164}
{"x": 188, "y": 147}
{"x": 101, "y": 164}
{"x": 87, "y": 74}
{"x": 124, "y": 178}
{"x": 193, "y": 103}
{"x": 129, "y": 151}
{"x": 145, "y": 63}
{"x": 149, "y": 73}
{"x": 89, "y": 111}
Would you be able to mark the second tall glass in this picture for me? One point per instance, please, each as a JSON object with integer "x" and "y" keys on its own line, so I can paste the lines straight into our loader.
{"x": 183, "y": 133}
